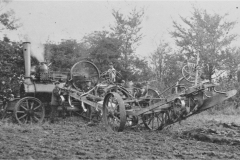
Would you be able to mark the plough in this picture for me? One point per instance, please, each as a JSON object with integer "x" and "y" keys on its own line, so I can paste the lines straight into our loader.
{"x": 119, "y": 108}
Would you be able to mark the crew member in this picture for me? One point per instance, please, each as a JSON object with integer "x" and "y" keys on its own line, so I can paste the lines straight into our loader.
{"x": 55, "y": 102}
{"x": 112, "y": 72}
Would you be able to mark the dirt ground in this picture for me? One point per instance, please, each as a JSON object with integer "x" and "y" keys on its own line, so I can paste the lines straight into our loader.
{"x": 200, "y": 137}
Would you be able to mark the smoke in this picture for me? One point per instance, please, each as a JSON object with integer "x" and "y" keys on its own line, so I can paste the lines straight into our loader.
{"x": 37, "y": 48}
{"x": 37, "y": 51}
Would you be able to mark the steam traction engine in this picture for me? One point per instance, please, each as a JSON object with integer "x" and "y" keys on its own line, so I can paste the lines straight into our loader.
{"x": 78, "y": 93}
{"x": 35, "y": 92}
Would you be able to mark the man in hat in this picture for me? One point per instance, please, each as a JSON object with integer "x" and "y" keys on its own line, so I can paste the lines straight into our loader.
{"x": 112, "y": 72}
{"x": 55, "y": 101}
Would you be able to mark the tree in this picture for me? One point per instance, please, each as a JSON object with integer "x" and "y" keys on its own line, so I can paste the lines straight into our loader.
{"x": 157, "y": 59}
{"x": 102, "y": 49}
{"x": 127, "y": 30}
{"x": 165, "y": 65}
{"x": 10, "y": 52}
{"x": 231, "y": 60}
{"x": 64, "y": 55}
{"x": 7, "y": 18}
{"x": 11, "y": 58}
{"x": 11, "y": 64}
{"x": 142, "y": 71}
{"x": 205, "y": 34}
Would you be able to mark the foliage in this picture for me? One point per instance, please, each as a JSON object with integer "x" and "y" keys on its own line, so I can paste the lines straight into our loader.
{"x": 118, "y": 46}
{"x": 142, "y": 72}
{"x": 127, "y": 30}
{"x": 231, "y": 61}
{"x": 102, "y": 49}
{"x": 205, "y": 34}
{"x": 11, "y": 58}
{"x": 11, "y": 63}
{"x": 166, "y": 65}
{"x": 7, "y": 18}
{"x": 64, "y": 55}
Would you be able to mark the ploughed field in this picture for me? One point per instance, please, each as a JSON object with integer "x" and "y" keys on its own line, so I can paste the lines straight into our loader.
{"x": 200, "y": 137}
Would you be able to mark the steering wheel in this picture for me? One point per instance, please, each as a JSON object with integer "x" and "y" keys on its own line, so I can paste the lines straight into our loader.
{"x": 84, "y": 75}
{"x": 189, "y": 72}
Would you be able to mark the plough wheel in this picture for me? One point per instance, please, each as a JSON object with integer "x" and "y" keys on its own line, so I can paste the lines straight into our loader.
{"x": 151, "y": 93}
{"x": 132, "y": 121}
{"x": 189, "y": 73}
{"x": 155, "y": 120}
{"x": 29, "y": 110}
{"x": 114, "y": 113}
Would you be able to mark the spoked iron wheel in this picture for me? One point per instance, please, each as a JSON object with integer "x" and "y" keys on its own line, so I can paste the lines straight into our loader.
{"x": 175, "y": 113}
{"x": 151, "y": 93}
{"x": 155, "y": 120}
{"x": 189, "y": 73}
{"x": 120, "y": 90}
{"x": 131, "y": 121}
{"x": 114, "y": 113}
{"x": 29, "y": 110}
{"x": 82, "y": 73}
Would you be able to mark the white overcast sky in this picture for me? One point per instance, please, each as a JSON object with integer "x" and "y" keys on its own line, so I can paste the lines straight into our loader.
{"x": 56, "y": 20}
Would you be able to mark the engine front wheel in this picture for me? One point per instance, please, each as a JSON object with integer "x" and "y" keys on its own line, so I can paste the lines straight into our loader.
{"x": 29, "y": 110}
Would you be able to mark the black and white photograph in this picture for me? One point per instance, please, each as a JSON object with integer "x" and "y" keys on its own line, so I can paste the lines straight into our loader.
{"x": 119, "y": 79}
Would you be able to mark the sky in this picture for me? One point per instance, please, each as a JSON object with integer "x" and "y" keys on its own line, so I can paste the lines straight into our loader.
{"x": 56, "y": 20}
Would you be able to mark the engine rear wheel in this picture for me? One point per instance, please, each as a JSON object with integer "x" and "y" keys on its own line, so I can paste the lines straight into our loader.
{"x": 29, "y": 110}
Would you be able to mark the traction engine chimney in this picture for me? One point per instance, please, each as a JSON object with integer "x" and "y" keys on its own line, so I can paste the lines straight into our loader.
{"x": 27, "y": 60}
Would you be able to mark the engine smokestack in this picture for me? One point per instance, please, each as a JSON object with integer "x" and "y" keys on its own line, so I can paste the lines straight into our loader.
{"x": 27, "y": 59}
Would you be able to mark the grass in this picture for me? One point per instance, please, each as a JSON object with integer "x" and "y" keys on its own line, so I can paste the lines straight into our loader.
{"x": 222, "y": 118}
{"x": 9, "y": 125}
{"x": 22, "y": 128}
{"x": 226, "y": 108}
